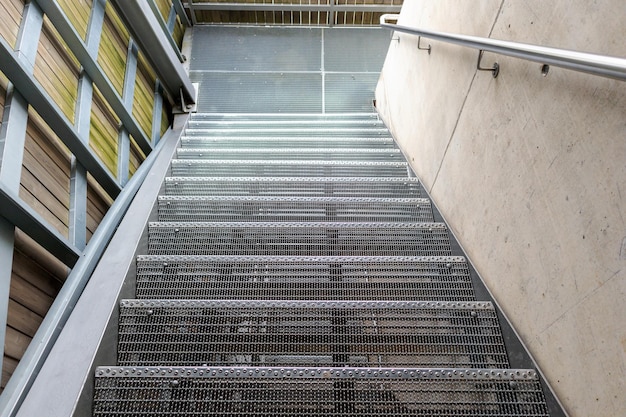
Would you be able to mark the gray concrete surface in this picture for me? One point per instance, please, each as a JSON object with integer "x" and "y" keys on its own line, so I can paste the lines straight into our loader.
{"x": 530, "y": 172}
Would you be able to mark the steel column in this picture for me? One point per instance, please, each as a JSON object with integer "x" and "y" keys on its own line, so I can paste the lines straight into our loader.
{"x": 157, "y": 113}
{"x": 78, "y": 174}
{"x": 91, "y": 67}
{"x": 180, "y": 11}
{"x": 123, "y": 149}
{"x": 12, "y": 140}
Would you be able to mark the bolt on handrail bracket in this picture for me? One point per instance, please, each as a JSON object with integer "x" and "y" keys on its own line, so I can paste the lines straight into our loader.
{"x": 602, "y": 65}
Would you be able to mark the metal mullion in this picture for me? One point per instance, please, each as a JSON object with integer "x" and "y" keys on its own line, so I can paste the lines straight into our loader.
{"x": 180, "y": 11}
{"x": 157, "y": 113}
{"x": 12, "y": 142}
{"x": 192, "y": 12}
{"x": 78, "y": 173}
{"x": 171, "y": 20}
{"x": 130, "y": 75}
{"x": 91, "y": 66}
{"x": 41, "y": 101}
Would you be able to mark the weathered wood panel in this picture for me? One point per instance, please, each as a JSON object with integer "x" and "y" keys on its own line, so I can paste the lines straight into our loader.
{"x": 103, "y": 131}
{"x": 143, "y": 100}
{"x": 45, "y": 177}
{"x": 11, "y": 12}
{"x": 57, "y": 69}
{"x": 113, "y": 48}
{"x": 98, "y": 202}
{"x": 77, "y": 11}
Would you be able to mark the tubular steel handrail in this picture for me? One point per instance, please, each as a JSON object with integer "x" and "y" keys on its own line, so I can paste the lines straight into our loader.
{"x": 602, "y": 65}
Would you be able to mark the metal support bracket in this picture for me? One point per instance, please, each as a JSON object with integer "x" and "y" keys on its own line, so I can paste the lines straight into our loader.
{"x": 419, "y": 40}
{"x": 495, "y": 70}
{"x": 188, "y": 107}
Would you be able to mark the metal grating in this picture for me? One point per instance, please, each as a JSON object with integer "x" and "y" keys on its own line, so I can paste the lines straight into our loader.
{"x": 293, "y": 209}
{"x": 203, "y": 121}
{"x": 302, "y": 154}
{"x": 286, "y": 142}
{"x": 259, "y": 168}
{"x": 231, "y": 92}
{"x": 305, "y": 333}
{"x": 237, "y": 49}
{"x": 303, "y": 278}
{"x": 269, "y": 391}
{"x": 296, "y": 187}
{"x": 274, "y": 132}
{"x": 355, "y": 50}
{"x": 299, "y": 239}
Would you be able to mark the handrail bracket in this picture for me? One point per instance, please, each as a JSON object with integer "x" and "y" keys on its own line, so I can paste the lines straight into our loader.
{"x": 495, "y": 70}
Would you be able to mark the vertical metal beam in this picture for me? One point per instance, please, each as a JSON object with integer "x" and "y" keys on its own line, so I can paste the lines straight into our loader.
{"x": 128, "y": 93}
{"x": 180, "y": 11}
{"x": 192, "y": 12}
{"x": 157, "y": 113}
{"x": 331, "y": 14}
{"x": 78, "y": 173}
{"x": 171, "y": 20}
{"x": 12, "y": 140}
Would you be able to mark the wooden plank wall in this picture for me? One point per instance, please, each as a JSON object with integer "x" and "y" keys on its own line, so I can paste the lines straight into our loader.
{"x": 37, "y": 276}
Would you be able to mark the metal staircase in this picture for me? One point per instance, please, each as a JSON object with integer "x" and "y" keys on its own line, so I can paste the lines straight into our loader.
{"x": 296, "y": 269}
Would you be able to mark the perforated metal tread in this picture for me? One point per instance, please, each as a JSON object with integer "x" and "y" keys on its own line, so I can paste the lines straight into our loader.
{"x": 299, "y": 239}
{"x": 286, "y": 142}
{"x": 239, "y": 391}
{"x": 293, "y": 209}
{"x": 296, "y": 187}
{"x": 259, "y": 123}
{"x": 290, "y": 154}
{"x": 261, "y": 168}
{"x": 277, "y": 117}
{"x": 309, "y": 333}
{"x": 327, "y": 131}
{"x": 303, "y": 278}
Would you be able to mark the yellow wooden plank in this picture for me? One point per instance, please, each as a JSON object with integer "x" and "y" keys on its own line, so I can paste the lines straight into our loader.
{"x": 103, "y": 132}
{"x": 113, "y": 48}
{"x": 77, "y": 11}
{"x": 11, "y": 12}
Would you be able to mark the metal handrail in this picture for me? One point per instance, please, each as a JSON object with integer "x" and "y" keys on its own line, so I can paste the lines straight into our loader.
{"x": 602, "y": 65}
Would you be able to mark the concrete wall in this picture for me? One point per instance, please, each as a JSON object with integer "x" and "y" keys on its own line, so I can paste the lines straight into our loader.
{"x": 530, "y": 173}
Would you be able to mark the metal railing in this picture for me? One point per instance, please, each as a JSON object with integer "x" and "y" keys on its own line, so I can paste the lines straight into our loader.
{"x": 602, "y": 65}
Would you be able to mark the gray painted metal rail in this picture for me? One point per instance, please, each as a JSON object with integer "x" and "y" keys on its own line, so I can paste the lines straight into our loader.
{"x": 602, "y": 65}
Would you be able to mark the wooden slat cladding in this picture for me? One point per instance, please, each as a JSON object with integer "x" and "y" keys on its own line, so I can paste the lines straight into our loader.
{"x": 77, "y": 11}
{"x": 57, "y": 69}
{"x": 113, "y": 48}
{"x": 45, "y": 177}
{"x": 103, "y": 132}
{"x": 36, "y": 279}
{"x": 136, "y": 157}
{"x": 98, "y": 202}
{"x": 11, "y": 15}
{"x": 143, "y": 101}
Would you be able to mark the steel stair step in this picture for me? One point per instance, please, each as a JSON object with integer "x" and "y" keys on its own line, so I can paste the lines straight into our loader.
{"x": 234, "y": 125}
{"x": 196, "y": 129}
{"x": 303, "y": 278}
{"x": 287, "y": 117}
{"x": 293, "y": 239}
{"x": 293, "y": 209}
{"x": 303, "y": 154}
{"x": 296, "y": 187}
{"x": 286, "y": 142}
{"x": 260, "y": 168}
{"x": 310, "y": 333}
{"x": 297, "y": 391}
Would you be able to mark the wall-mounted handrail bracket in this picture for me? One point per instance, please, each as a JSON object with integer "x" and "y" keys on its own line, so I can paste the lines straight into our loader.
{"x": 495, "y": 70}
{"x": 421, "y": 48}
{"x": 602, "y": 65}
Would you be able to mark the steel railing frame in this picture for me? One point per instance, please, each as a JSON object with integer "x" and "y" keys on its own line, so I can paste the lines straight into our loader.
{"x": 601, "y": 65}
